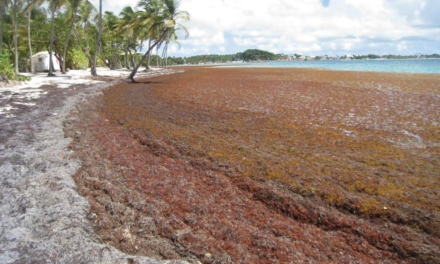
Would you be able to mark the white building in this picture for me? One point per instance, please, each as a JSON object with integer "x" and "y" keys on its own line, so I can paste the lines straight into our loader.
{"x": 41, "y": 62}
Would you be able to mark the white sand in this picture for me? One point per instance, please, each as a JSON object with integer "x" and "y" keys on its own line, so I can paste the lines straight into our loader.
{"x": 24, "y": 92}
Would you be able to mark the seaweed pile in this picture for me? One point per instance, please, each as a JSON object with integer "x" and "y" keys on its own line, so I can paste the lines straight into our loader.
{"x": 266, "y": 166}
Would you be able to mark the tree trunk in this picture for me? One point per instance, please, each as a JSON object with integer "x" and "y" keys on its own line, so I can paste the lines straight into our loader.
{"x": 160, "y": 40}
{"x": 107, "y": 62}
{"x": 157, "y": 56}
{"x": 149, "y": 55}
{"x": 87, "y": 50}
{"x": 131, "y": 58}
{"x": 51, "y": 43}
{"x": 127, "y": 46}
{"x": 72, "y": 24}
{"x": 56, "y": 53}
{"x": 52, "y": 66}
{"x": 29, "y": 39}
{"x": 15, "y": 39}
{"x": 98, "y": 42}
{"x": 166, "y": 55}
{"x": 116, "y": 60}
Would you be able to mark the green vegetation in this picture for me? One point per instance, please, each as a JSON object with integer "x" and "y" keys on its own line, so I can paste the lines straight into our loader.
{"x": 70, "y": 27}
{"x": 369, "y": 56}
{"x": 260, "y": 55}
{"x": 256, "y": 55}
{"x": 395, "y": 57}
{"x": 6, "y": 66}
{"x": 78, "y": 59}
{"x": 248, "y": 55}
{"x": 81, "y": 36}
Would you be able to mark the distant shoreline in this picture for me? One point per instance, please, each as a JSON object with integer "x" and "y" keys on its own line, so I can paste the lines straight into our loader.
{"x": 267, "y": 64}
{"x": 413, "y": 66}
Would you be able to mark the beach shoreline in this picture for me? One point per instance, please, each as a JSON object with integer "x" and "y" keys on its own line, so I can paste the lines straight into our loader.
{"x": 210, "y": 134}
{"x": 414, "y": 66}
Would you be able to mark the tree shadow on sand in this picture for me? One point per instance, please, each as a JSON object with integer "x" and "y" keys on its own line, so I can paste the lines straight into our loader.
{"x": 143, "y": 82}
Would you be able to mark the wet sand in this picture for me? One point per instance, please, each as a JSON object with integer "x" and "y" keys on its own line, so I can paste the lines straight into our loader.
{"x": 266, "y": 166}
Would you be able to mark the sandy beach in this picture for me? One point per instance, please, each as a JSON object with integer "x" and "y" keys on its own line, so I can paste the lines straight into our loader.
{"x": 43, "y": 219}
{"x": 211, "y": 165}
{"x": 219, "y": 132}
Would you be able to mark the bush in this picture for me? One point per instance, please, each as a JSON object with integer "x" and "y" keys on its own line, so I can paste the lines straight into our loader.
{"x": 23, "y": 78}
{"x": 6, "y": 67}
{"x": 78, "y": 60}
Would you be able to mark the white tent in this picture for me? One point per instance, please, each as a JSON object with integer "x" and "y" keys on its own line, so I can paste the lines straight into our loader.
{"x": 41, "y": 62}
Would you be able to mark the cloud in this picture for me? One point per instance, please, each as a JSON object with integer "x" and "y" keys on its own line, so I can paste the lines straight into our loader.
{"x": 115, "y": 6}
{"x": 307, "y": 26}
{"x": 321, "y": 26}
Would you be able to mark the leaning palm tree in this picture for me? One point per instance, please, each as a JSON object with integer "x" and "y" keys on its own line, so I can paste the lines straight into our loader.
{"x": 151, "y": 8}
{"x": 98, "y": 42}
{"x": 164, "y": 21}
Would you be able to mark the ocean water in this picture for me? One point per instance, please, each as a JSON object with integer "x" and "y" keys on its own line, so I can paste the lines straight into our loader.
{"x": 409, "y": 66}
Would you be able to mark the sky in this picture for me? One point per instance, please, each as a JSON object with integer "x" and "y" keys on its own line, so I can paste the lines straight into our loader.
{"x": 307, "y": 27}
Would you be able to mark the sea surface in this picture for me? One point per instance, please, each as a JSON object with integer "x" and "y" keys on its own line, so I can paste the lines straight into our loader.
{"x": 408, "y": 66}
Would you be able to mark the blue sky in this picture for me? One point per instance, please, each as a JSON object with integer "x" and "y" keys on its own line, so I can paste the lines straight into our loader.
{"x": 308, "y": 27}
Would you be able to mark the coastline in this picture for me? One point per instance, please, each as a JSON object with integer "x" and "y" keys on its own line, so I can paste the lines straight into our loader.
{"x": 350, "y": 65}
{"x": 219, "y": 132}
{"x": 170, "y": 131}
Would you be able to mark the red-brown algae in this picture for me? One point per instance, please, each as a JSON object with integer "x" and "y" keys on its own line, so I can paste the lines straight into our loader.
{"x": 272, "y": 165}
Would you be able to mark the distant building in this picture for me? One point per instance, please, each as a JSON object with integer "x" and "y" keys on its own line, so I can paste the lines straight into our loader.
{"x": 41, "y": 61}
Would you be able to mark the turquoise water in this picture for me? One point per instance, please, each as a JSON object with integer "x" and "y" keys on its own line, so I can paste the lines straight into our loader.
{"x": 410, "y": 66}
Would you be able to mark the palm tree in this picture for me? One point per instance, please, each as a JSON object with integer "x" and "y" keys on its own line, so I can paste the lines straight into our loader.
{"x": 86, "y": 12}
{"x": 165, "y": 20}
{"x": 8, "y": 33}
{"x": 73, "y": 9}
{"x": 151, "y": 7}
{"x": 98, "y": 42}
{"x": 29, "y": 37}
{"x": 54, "y": 5}
{"x": 28, "y": 9}
{"x": 16, "y": 5}
{"x": 110, "y": 25}
{"x": 126, "y": 25}
{"x": 172, "y": 37}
